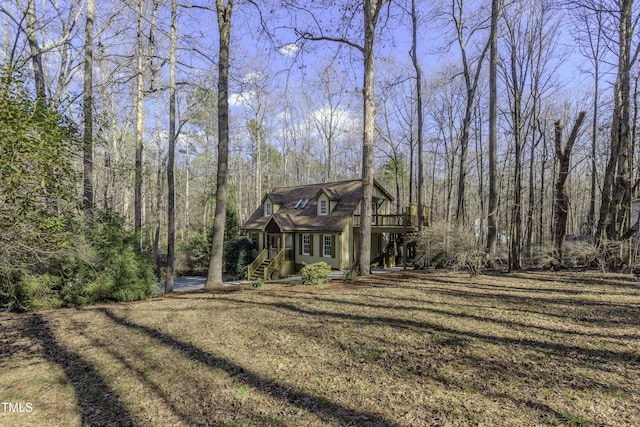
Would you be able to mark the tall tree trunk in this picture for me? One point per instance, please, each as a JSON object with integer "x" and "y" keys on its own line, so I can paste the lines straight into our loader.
{"x": 481, "y": 191}
{"x": 158, "y": 213}
{"x": 492, "y": 232}
{"x": 515, "y": 230}
{"x": 88, "y": 114}
{"x": 187, "y": 209}
{"x": 138, "y": 202}
{"x": 621, "y": 206}
{"x": 515, "y": 234}
{"x": 36, "y": 54}
{"x": 616, "y": 187}
{"x": 532, "y": 198}
{"x": 171, "y": 202}
{"x": 371, "y": 12}
{"x": 255, "y": 128}
{"x": 562, "y": 198}
{"x": 214, "y": 275}
{"x": 543, "y": 169}
{"x": 471, "y": 85}
{"x": 418, "y": 70}
{"x": 594, "y": 137}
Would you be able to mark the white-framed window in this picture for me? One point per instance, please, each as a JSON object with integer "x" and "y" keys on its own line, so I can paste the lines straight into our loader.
{"x": 306, "y": 244}
{"x": 327, "y": 246}
{"x": 267, "y": 208}
{"x": 323, "y": 210}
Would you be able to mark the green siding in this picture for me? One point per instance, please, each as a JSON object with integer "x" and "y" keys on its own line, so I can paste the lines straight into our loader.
{"x": 317, "y": 250}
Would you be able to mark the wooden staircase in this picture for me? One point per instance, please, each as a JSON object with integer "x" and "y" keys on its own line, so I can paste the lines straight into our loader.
{"x": 267, "y": 261}
{"x": 259, "y": 271}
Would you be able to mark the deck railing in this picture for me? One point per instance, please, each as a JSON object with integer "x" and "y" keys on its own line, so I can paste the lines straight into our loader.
{"x": 384, "y": 220}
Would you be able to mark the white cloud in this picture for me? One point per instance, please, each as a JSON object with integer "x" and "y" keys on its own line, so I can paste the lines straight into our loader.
{"x": 243, "y": 98}
{"x": 289, "y": 49}
{"x": 253, "y": 77}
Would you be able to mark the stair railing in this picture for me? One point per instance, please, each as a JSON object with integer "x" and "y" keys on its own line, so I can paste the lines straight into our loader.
{"x": 251, "y": 268}
{"x": 275, "y": 263}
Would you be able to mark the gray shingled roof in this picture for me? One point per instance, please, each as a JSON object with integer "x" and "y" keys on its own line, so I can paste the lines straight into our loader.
{"x": 288, "y": 218}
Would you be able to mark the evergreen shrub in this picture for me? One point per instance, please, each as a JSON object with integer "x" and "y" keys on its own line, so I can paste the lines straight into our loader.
{"x": 237, "y": 256}
{"x": 316, "y": 274}
{"x": 24, "y": 291}
{"x": 194, "y": 255}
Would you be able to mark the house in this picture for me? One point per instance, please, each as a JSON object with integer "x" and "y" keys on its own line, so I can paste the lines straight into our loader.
{"x": 304, "y": 224}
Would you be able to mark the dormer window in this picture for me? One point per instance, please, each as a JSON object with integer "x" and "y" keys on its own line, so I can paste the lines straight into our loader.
{"x": 322, "y": 207}
{"x": 267, "y": 208}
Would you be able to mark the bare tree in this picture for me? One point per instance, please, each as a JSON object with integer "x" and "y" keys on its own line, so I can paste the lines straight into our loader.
{"x": 328, "y": 119}
{"x": 88, "y": 113}
{"x": 171, "y": 203}
{"x": 563, "y": 155}
{"x": 49, "y": 31}
{"x": 371, "y": 13}
{"x": 492, "y": 231}
{"x": 143, "y": 62}
{"x": 616, "y": 188}
{"x": 223, "y": 11}
{"x": 36, "y": 52}
{"x": 466, "y": 29}
{"x": 420, "y": 130}
{"x": 588, "y": 31}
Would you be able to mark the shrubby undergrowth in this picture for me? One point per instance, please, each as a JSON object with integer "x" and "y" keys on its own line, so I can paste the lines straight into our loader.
{"x": 101, "y": 265}
{"x": 193, "y": 255}
{"x": 237, "y": 256}
{"x": 449, "y": 246}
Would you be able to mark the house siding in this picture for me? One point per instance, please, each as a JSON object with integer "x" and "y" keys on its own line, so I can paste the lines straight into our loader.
{"x": 346, "y": 248}
{"x": 317, "y": 250}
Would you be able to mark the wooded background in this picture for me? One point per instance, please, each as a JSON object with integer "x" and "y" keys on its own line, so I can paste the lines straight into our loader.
{"x": 296, "y": 107}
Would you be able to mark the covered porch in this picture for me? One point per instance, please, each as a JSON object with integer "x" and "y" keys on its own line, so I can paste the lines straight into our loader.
{"x": 275, "y": 254}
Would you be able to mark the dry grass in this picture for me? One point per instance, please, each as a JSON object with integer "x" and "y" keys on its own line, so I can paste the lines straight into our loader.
{"x": 405, "y": 349}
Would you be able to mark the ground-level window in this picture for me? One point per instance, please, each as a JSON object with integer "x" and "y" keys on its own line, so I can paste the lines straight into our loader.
{"x": 327, "y": 246}
{"x": 254, "y": 240}
{"x": 306, "y": 244}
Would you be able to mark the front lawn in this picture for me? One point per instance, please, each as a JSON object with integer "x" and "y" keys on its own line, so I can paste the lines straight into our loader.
{"x": 400, "y": 349}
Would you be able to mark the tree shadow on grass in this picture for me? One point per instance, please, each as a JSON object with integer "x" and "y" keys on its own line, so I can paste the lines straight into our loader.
{"x": 157, "y": 388}
{"x": 96, "y": 400}
{"x": 593, "y": 356}
{"x": 464, "y": 315}
{"x": 328, "y": 411}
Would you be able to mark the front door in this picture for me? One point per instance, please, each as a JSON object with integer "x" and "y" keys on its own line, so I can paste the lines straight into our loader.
{"x": 273, "y": 244}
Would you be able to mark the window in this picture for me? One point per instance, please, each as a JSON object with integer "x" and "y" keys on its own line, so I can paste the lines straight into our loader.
{"x": 306, "y": 244}
{"x": 374, "y": 216}
{"x": 267, "y": 209}
{"x": 254, "y": 240}
{"x": 298, "y": 204}
{"x": 327, "y": 245}
{"x": 323, "y": 207}
{"x": 304, "y": 204}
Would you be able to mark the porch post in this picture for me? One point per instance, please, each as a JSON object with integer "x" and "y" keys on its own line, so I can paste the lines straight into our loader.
{"x": 404, "y": 252}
